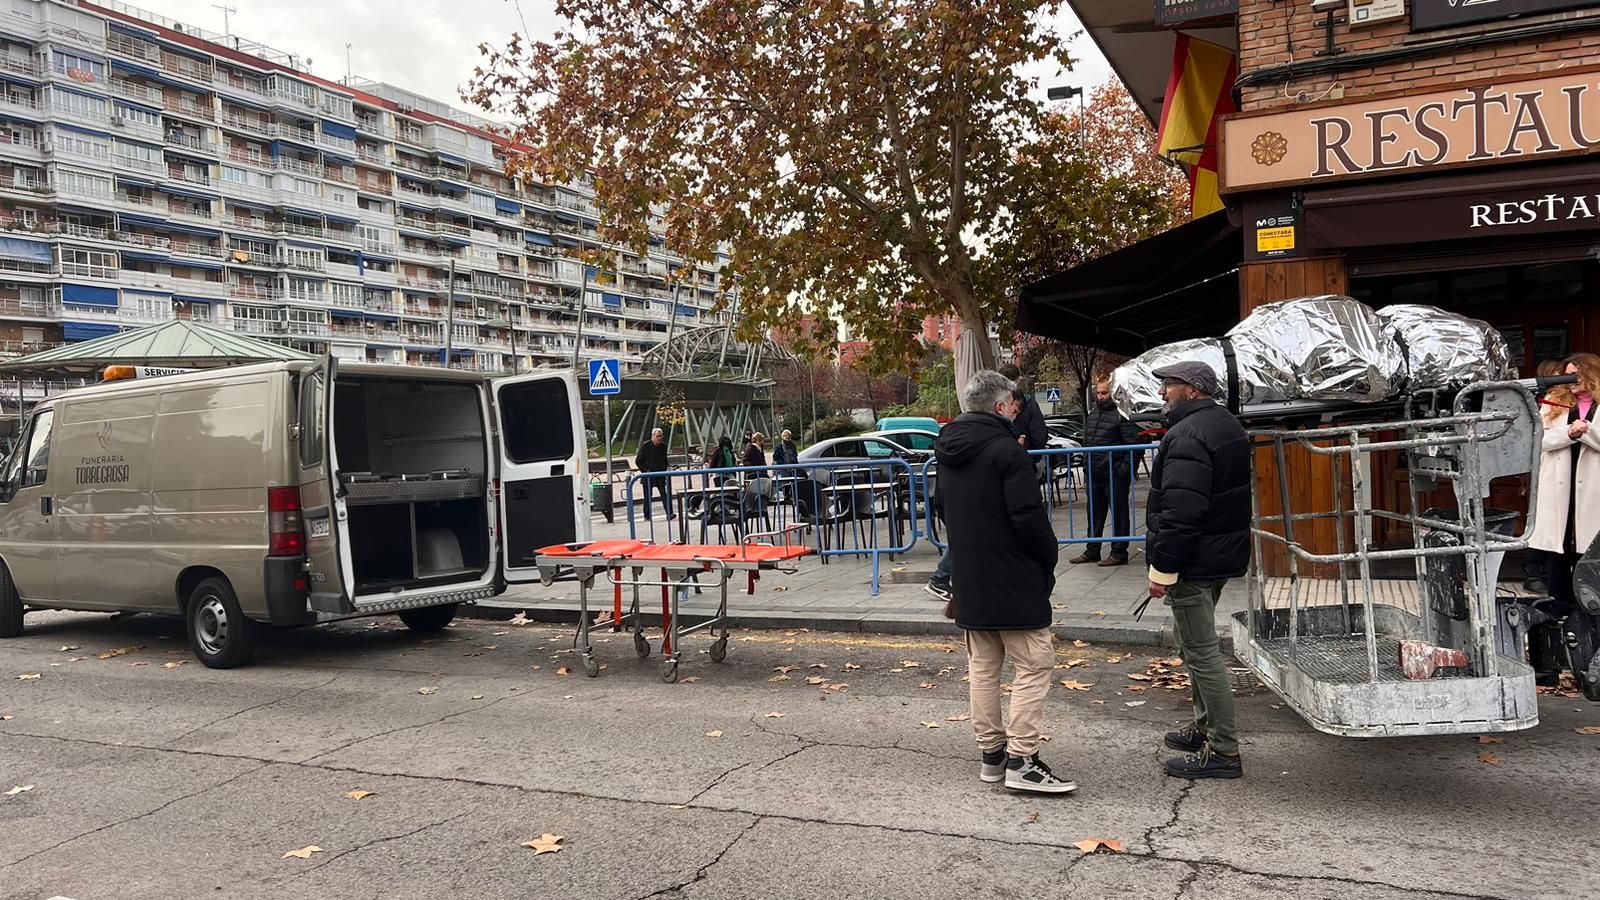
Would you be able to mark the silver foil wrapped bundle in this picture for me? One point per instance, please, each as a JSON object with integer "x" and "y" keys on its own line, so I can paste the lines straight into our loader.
{"x": 1137, "y": 390}
{"x": 1314, "y": 348}
{"x": 1444, "y": 349}
{"x": 1317, "y": 348}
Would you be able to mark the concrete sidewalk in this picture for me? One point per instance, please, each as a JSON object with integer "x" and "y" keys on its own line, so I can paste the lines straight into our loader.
{"x": 1091, "y": 603}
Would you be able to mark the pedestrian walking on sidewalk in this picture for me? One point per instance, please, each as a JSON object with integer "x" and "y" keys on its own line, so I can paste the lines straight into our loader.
{"x": 1003, "y": 558}
{"x": 1199, "y": 525}
{"x": 652, "y": 457}
{"x": 1110, "y": 476}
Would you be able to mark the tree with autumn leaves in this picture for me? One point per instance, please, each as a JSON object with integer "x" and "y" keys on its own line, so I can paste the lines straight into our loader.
{"x": 865, "y": 160}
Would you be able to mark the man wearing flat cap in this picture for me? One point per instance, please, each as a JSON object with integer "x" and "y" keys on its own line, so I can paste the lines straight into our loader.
{"x": 1198, "y": 521}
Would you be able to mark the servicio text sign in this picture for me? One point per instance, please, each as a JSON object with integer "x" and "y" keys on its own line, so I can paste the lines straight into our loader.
{"x": 1510, "y": 121}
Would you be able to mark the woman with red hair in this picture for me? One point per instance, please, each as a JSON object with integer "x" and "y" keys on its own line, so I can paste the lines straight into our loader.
{"x": 1568, "y": 505}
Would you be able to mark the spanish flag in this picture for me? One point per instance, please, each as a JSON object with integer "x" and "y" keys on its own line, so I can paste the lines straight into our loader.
{"x": 1200, "y": 90}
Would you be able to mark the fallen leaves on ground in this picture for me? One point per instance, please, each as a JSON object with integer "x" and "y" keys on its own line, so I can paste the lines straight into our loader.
{"x": 1033, "y": 818}
{"x": 779, "y": 677}
{"x": 476, "y": 697}
{"x": 564, "y": 671}
{"x": 836, "y": 687}
{"x": 1072, "y": 685}
{"x": 1136, "y": 676}
{"x": 1095, "y": 844}
{"x": 30, "y": 676}
{"x": 69, "y": 648}
{"x": 427, "y": 690}
{"x": 1488, "y": 758}
{"x": 1568, "y": 687}
{"x": 817, "y": 666}
{"x": 1486, "y": 739}
{"x": 19, "y": 789}
{"x": 545, "y": 843}
{"x": 774, "y": 715}
{"x": 816, "y": 679}
{"x": 519, "y": 619}
{"x": 690, "y": 680}
{"x": 784, "y": 669}
{"x": 1173, "y": 661}
{"x": 6, "y": 718}
{"x": 174, "y": 664}
{"x": 927, "y": 685}
{"x": 910, "y": 664}
{"x": 713, "y": 734}
{"x": 120, "y": 651}
{"x": 851, "y": 667}
{"x": 1073, "y": 663}
{"x": 1080, "y": 644}
{"x": 1587, "y": 729}
{"x": 1135, "y": 703}
{"x": 961, "y": 718}
{"x": 357, "y": 795}
{"x": 302, "y": 853}
{"x": 931, "y": 724}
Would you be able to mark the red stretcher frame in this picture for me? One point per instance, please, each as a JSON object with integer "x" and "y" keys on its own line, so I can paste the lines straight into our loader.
{"x": 680, "y": 566}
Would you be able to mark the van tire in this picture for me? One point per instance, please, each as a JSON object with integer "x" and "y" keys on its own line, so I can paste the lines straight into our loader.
{"x": 10, "y": 606}
{"x": 219, "y": 633}
{"x": 429, "y": 618}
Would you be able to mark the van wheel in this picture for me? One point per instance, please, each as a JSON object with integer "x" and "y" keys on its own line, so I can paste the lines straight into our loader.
{"x": 219, "y": 633}
{"x": 10, "y": 606}
{"x": 429, "y": 618}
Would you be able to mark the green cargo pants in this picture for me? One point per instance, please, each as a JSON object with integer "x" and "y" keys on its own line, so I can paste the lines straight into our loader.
{"x": 1194, "y": 614}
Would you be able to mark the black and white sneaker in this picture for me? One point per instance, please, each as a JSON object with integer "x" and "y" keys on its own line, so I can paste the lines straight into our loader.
{"x": 940, "y": 589}
{"x": 1029, "y": 773}
{"x": 994, "y": 765}
{"x": 1188, "y": 739}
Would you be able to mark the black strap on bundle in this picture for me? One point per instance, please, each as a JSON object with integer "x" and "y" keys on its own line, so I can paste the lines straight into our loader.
{"x": 1231, "y": 377}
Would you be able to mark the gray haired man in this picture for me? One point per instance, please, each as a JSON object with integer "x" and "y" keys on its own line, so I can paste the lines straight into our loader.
{"x": 1003, "y": 553}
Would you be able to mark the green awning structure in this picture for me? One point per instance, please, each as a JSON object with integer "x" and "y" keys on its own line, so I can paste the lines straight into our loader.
{"x": 177, "y": 344}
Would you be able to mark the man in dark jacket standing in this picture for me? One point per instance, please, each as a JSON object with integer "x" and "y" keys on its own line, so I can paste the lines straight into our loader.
{"x": 786, "y": 453}
{"x": 1003, "y": 559}
{"x": 652, "y": 457}
{"x": 1199, "y": 537}
{"x": 1110, "y": 475}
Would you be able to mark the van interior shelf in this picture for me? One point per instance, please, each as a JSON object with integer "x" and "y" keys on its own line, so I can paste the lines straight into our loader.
{"x": 364, "y": 488}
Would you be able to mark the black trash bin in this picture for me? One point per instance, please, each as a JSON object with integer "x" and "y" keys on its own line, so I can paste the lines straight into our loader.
{"x": 600, "y": 499}
{"x": 1447, "y": 575}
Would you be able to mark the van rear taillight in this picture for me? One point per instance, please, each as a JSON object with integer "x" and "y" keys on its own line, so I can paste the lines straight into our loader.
{"x": 285, "y": 536}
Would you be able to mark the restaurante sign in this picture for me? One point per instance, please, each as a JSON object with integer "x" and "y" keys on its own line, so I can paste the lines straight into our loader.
{"x": 1496, "y": 122}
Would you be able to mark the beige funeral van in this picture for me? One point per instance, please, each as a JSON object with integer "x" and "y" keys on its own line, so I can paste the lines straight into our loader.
{"x": 289, "y": 494}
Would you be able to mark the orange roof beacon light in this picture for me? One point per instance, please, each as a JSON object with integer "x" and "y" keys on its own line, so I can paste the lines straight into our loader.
{"x": 118, "y": 373}
{"x": 121, "y": 373}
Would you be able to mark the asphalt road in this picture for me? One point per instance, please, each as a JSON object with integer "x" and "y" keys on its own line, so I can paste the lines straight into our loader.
{"x": 155, "y": 782}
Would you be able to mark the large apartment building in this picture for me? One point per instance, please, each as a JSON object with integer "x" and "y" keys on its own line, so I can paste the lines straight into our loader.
{"x": 151, "y": 171}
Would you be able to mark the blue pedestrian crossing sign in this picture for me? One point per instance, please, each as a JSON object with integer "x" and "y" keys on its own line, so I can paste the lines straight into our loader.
{"x": 604, "y": 377}
{"x": 1053, "y": 395}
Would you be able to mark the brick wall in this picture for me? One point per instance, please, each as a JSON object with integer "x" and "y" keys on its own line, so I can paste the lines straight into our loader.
{"x": 1277, "y": 32}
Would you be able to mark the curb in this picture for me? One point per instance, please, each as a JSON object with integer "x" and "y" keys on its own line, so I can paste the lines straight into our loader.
{"x": 1157, "y": 632}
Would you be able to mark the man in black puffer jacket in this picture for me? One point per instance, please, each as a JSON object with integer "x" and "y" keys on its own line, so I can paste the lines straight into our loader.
{"x": 1003, "y": 559}
{"x": 1198, "y": 538}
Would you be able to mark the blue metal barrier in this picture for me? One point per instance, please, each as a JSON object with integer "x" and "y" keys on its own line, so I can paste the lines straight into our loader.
{"x": 846, "y": 503}
{"x": 1063, "y": 473}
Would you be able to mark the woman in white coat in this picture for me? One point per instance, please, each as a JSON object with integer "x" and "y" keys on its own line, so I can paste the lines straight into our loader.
{"x": 1568, "y": 505}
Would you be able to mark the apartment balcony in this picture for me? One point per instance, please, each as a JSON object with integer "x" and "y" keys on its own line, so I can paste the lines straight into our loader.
{"x": 340, "y": 175}
{"x": 187, "y": 177}
{"x": 238, "y": 84}
{"x": 240, "y": 291}
{"x": 249, "y": 125}
{"x": 369, "y": 156}
{"x": 136, "y": 128}
{"x": 297, "y": 166}
{"x": 133, "y": 48}
{"x": 184, "y": 67}
{"x": 133, "y": 164}
{"x": 93, "y": 153}
{"x": 379, "y": 247}
{"x": 343, "y": 270}
{"x": 315, "y": 231}
{"x": 301, "y": 264}
{"x": 338, "y": 111}
{"x": 19, "y": 65}
{"x": 120, "y": 315}
{"x": 74, "y": 189}
{"x": 337, "y": 144}
{"x": 374, "y": 126}
{"x": 259, "y": 258}
{"x": 187, "y": 214}
{"x": 421, "y": 283}
{"x": 190, "y": 141}
{"x": 97, "y": 121}
{"x": 380, "y": 306}
{"x": 296, "y": 133}
{"x": 374, "y": 185}
{"x": 192, "y": 108}
{"x": 137, "y": 92}
{"x": 381, "y": 277}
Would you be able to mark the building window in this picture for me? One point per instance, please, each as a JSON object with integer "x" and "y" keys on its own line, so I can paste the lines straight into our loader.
{"x": 346, "y": 294}
{"x": 482, "y": 203}
{"x": 27, "y": 218}
{"x": 136, "y": 115}
{"x": 77, "y": 104}
{"x": 78, "y": 68}
{"x": 305, "y": 289}
{"x": 89, "y": 263}
{"x": 306, "y": 186}
{"x": 139, "y": 152}
{"x": 200, "y": 312}
{"x": 149, "y": 307}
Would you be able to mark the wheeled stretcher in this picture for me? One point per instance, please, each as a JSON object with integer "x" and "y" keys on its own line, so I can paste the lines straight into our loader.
{"x": 627, "y": 563}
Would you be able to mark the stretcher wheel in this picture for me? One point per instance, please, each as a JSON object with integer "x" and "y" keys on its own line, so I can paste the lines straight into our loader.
{"x": 641, "y": 647}
{"x": 719, "y": 649}
{"x": 669, "y": 671}
{"x": 591, "y": 667}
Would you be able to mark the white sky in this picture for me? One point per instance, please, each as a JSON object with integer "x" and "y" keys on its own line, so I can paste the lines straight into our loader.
{"x": 431, "y": 49}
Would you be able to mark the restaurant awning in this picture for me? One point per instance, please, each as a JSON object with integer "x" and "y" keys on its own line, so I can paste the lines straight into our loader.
{"x": 1181, "y": 283}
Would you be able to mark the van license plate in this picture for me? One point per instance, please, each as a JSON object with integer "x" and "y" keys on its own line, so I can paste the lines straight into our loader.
{"x": 320, "y": 528}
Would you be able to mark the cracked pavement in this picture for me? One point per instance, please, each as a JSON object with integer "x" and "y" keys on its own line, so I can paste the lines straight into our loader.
{"x": 188, "y": 782}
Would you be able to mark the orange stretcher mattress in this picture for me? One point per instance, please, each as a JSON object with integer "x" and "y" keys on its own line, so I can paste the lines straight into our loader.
{"x": 593, "y": 549}
{"x": 755, "y": 553}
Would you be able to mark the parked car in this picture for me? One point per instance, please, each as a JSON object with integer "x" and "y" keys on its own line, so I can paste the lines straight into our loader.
{"x": 289, "y": 493}
{"x": 908, "y": 423}
{"x": 864, "y": 449}
{"x": 917, "y": 440}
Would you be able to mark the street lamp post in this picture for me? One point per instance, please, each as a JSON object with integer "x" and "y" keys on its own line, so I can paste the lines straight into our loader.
{"x": 1067, "y": 92}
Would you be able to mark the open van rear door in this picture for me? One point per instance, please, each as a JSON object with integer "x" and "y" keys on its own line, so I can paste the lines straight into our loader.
{"x": 543, "y": 467}
{"x": 326, "y": 519}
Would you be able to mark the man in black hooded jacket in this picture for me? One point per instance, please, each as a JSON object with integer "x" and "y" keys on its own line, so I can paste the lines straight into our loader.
{"x": 1003, "y": 559}
{"x": 1198, "y": 538}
